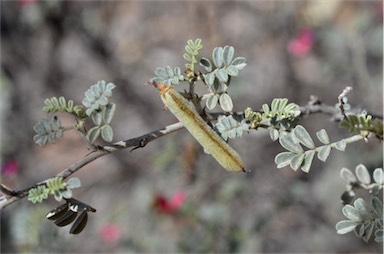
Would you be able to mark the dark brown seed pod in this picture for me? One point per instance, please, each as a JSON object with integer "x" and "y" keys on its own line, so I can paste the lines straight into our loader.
{"x": 79, "y": 224}
{"x": 57, "y": 212}
{"x": 66, "y": 219}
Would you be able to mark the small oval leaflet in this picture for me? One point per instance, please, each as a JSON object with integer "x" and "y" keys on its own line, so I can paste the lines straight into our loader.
{"x": 303, "y": 136}
{"x": 363, "y": 174}
{"x": 323, "y": 152}
{"x": 226, "y": 102}
{"x": 345, "y": 226}
{"x": 308, "y": 159}
{"x": 323, "y": 136}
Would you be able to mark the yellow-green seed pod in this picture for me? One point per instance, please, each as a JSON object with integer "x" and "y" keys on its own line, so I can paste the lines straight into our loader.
{"x": 212, "y": 143}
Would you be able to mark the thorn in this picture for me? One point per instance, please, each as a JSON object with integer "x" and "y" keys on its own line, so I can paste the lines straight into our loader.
{"x": 143, "y": 142}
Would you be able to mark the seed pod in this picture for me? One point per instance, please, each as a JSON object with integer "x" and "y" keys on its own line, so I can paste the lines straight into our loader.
{"x": 79, "y": 224}
{"x": 57, "y": 212}
{"x": 66, "y": 219}
{"x": 212, "y": 143}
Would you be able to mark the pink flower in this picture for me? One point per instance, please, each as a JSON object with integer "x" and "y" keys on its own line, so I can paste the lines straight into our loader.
{"x": 302, "y": 44}
{"x": 110, "y": 234}
{"x": 169, "y": 206}
{"x": 26, "y": 2}
{"x": 10, "y": 168}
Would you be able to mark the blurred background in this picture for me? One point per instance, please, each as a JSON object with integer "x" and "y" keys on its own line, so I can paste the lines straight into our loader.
{"x": 170, "y": 196}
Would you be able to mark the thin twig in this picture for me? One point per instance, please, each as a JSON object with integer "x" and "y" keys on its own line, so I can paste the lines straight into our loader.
{"x": 341, "y": 100}
{"x": 140, "y": 141}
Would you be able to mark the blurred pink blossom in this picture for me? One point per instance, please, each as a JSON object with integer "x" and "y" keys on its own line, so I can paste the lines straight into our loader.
{"x": 110, "y": 234}
{"x": 26, "y": 2}
{"x": 171, "y": 205}
{"x": 302, "y": 44}
{"x": 10, "y": 168}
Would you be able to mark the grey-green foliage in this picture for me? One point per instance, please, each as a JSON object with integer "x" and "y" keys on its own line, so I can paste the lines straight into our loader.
{"x": 364, "y": 220}
{"x": 223, "y": 66}
{"x": 357, "y": 123}
{"x": 254, "y": 118}
{"x": 60, "y": 104}
{"x": 219, "y": 96}
{"x": 97, "y": 96}
{"x": 54, "y": 186}
{"x": 168, "y": 75}
{"x": 361, "y": 179}
{"x": 296, "y": 157}
{"x": 228, "y": 127}
{"x": 193, "y": 48}
{"x": 102, "y": 119}
{"x": 363, "y": 123}
{"x": 47, "y": 130}
{"x": 281, "y": 116}
{"x": 218, "y": 76}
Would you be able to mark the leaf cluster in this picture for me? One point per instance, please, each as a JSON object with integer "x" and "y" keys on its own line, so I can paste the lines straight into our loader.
{"x": 363, "y": 219}
{"x": 168, "y": 75}
{"x": 219, "y": 96}
{"x": 254, "y": 118}
{"x": 224, "y": 65}
{"x": 361, "y": 179}
{"x": 66, "y": 213}
{"x": 228, "y": 127}
{"x": 280, "y": 117}
{"x": 193, "y": 49}
{"x": 217, "y": 73}
{"x": 218, "y": 76}
{"x": 47, "y": 130}
{"x": 102, "y": 119}
{"x": 296, "y": 157}
{"x": 95, "y": 105}
{"x": 97, "y": 96}
{"x": 60, "y": 104}
{"x": 54, "y": 186}
{"x": 363, "y": 123}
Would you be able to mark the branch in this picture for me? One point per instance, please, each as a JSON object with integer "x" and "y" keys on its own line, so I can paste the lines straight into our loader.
{"x": 138, "y": 142}
{"x": 313, "y": 106}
